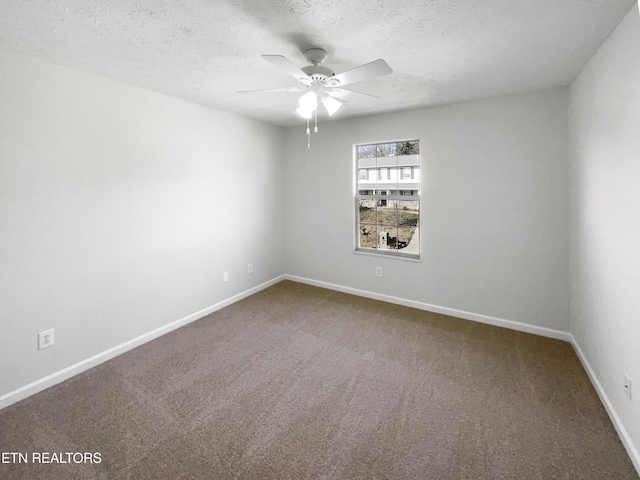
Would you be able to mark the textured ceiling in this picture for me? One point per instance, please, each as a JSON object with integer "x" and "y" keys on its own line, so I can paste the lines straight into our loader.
{"x": 441, "y": 51}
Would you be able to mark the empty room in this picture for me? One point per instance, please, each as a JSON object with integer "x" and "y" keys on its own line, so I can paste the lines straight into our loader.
{"x": 287, "y": 239}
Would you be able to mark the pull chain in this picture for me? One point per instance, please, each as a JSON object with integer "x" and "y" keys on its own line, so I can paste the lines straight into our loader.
{"x": 308, "y": 135}
{"x": 315, "y": 128}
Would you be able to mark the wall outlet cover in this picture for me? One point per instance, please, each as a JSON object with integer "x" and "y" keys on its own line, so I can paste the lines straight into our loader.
{"x": 45, "y": 339}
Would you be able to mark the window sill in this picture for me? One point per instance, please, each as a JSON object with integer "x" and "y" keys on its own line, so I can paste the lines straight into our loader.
{"x": 369, "y": 253}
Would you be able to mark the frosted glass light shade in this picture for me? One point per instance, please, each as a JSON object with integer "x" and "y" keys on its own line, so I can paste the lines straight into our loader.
{"x": 331, "y": 104}
{"x": 304, "y": 113}
{"x": 309, "y": 101}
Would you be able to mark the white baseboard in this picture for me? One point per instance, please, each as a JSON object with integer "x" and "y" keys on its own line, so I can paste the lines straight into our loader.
{"x": 498, "y": 322}
{"x": 604, "y": 398}
{"x": 72, "y": 370}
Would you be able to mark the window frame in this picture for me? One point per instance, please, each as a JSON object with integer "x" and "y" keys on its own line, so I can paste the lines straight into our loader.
{"x": 378, "y": 196}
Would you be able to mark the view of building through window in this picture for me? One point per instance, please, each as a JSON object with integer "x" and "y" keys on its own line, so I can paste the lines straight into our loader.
{"x": 388, "y": 198}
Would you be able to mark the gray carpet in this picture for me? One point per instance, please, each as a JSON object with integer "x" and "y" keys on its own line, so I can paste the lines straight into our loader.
{"x": 299, "y": 382}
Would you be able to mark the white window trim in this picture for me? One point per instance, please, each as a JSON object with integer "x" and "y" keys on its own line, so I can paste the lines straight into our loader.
{"x": 397, "y": 254}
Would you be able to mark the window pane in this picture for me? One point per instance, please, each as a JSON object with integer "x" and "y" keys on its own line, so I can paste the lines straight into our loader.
{"x": 368, "y": 235}
{"x": 367, "y": 178}
{"x": 408, "y": 148}
{"x": 387, "y": 237}
{"x": 383, "y": 174}
{"x": 408, "y": 240}
{"x": 367, "y": 223}
{"x": 386, "y": 212}
{"x": 386, "y": 150}
{"x": 366, "y": 151}
{"x": 367, "y": 210}
{"x": 408, "y": 213}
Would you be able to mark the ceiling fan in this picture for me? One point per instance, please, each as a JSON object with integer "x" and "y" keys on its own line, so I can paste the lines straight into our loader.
{"x": 321, "y": 84}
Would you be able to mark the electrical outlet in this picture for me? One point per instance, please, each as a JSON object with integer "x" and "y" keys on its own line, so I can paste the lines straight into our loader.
{"x": 45, "y": 339}
{"x": 378, "y": 271}
{"x": 225, "y": 277}
{"x": 627, "y": 386}
{"x": 250, "y": 268}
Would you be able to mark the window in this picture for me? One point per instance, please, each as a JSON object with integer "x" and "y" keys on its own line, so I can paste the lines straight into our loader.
{"x": 387, "y": 222}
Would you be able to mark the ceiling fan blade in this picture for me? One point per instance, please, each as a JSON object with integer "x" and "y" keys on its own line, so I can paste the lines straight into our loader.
{"x": 275, "y": 90}
{"x": 286, "y": 65}
{"x": 331, "y": 94}
{"x": 363, "y": 72}
{"x": 348, "y": 95}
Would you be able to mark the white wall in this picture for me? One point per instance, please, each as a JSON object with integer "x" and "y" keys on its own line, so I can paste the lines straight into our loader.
{"x": 494, "y": 207}
{"x": 604, "y": 179}
{"x": 117, "y": 212}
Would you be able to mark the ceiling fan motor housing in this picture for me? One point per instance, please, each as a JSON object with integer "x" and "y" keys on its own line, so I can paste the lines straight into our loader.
{"x": 315, "y": 55}
{"x": 320, "y": 76}
{"x": 318, "y": 72}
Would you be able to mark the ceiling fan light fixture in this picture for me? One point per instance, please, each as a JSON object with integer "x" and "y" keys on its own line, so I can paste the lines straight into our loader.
{"x": 309, "y": 101}
{"x": 319, "y": 80}
{"x": 331, "y": 104}
{"x": 304, "y": 112}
